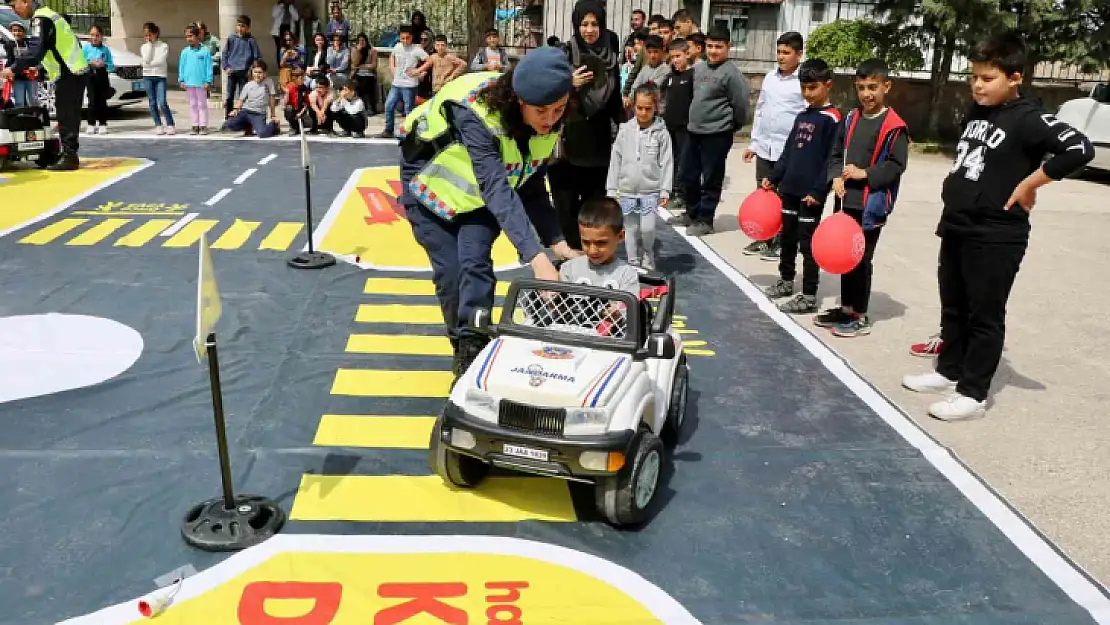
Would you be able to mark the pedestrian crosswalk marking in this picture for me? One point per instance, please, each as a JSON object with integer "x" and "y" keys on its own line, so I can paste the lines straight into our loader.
{"x": 98, "y": 233}
{"x": 281, "y": 237}
{"x": 235, "y": 236}
{"x": 417, "y": 314}
{"x": 388, "y": 383}
{"x": 399, "y": 344}
{"x": 190, "y": 234}
{"x": 136, "y": 232}
{"x": 53, "y": 231}
{"x": 375, "y": 431}
{"x": 410, "y": 286}
{"x": 145, "y": 233}
{"x": 427, "y": 499}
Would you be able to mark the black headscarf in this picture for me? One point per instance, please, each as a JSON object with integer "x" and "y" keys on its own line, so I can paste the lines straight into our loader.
{"x": 594, "y": 99}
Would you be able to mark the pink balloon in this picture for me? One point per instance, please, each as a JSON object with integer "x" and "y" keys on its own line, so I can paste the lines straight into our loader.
{"x": 838, "y": 244}
{"x": 761, "y": 214}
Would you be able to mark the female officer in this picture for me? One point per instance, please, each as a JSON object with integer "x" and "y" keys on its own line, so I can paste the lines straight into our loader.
{"x": 472, "y": 165}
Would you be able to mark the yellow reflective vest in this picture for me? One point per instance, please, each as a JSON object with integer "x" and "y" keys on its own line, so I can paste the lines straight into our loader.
{"x": 446, "y": 185}
{"x": 66, "y": 46}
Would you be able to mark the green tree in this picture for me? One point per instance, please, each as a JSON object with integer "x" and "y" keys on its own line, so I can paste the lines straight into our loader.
{"x": 847, "y": 43}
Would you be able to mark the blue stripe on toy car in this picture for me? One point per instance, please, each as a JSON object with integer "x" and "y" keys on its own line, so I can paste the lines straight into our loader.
{"x": 608, "y": 375}
{"x": 487, "y": 366}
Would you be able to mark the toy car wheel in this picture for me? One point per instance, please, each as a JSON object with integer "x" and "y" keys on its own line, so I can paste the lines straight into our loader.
{"x": 624, "y": 499}
{"x": 454, "y": 468}
{"x": 676, "y": 411}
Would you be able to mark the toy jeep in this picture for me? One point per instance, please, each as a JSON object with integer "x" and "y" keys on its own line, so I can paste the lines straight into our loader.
{"x": 578, "y": 382}
{"x": 26, "y": 134}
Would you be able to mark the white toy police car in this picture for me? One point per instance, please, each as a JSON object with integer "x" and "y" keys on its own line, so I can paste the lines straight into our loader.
{"x": 26, "y": 134}
{"x": 578, "y": 382}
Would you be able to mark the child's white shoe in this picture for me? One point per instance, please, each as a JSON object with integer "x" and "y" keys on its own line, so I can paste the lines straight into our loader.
{"x": 91, "y": 129}
{"x": 170, "y": 130}
{"x": 957, "y": 407}
{"x": 931, "y": 382}
{"x": 102, "y": 130}
{"x": 158, "y": 130}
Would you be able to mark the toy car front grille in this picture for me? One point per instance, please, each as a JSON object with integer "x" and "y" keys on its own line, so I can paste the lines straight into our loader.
{"x": 526, "y": 418}
{"x": 130, "y": 72}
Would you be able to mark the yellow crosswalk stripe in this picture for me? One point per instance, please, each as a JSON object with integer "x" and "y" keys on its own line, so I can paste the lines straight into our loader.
{"x": 281, "y": 237}
{"x": 386, "y": 383}
{"x": 410, "y": 286}
{"x": 236, "y": 235}
{"x": 686, "y": 331}
{"x": 99, "y": 232}
{"x": 53, "y": 231}
{"x": 143, "y": 234}
{"x": 412, "y": 313}
{"x": 190, "y": 234}
{"x": 378, "y": 431}
{"x": 412, "y": 345}
{"x": 427, "y": 498}
{"x": 700, "y": 352}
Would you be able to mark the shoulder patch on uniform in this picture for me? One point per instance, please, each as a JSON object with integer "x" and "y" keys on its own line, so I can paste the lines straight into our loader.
{"x": 36, "y": 27}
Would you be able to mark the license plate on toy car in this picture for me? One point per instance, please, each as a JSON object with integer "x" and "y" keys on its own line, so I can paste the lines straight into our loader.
{"x": 525, "y": 452}
{"x": 31, "y": 146}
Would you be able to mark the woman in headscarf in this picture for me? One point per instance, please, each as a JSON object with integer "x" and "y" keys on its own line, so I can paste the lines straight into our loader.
{"x": 595, "y": 106}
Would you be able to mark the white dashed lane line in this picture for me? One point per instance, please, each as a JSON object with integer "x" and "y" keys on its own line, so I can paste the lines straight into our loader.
{"x": 247, "y": 174}
{"x": 176, "y": 226}
{"x": 267, "y": 159}
{"x": 221, "y": 194}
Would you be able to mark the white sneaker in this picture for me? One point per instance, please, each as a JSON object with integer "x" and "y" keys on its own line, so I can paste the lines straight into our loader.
{"x": 170, "y": 130}
{"x": 102, "y": 130}
{"x": 957, "y": 407}
{"x": 90, "y": 130}
{"x": 931, "y": 382}
{"x": 159, "y": 131}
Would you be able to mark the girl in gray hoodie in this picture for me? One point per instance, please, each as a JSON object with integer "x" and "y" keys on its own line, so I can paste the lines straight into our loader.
{"x": 640, "y": 174}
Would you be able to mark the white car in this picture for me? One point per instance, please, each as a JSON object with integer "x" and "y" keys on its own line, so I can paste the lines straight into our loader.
{"x": 1091, "y": 116}
{"x": 126, "y": 82}
{"x": 579, "y": 382}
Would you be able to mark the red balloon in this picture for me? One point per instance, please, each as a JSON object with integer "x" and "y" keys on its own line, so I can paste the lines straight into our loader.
{"x": 838, "y": 244}
{"x": 761, "y": 214}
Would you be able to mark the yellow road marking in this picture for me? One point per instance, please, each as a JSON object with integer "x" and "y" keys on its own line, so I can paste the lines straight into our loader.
{"x": 693, "y": 343}
{"x": 143, "y": 234}
{"x": 236, "y": 235}
{"x": 701, "y": 352}
{"x": 190, "y": 234}
{"x": 411, "y": 313}
{"x": 409, "y": 286}
{"x": 415, "y": 345}
{"x": 687, "y": 331}
{"x": 378, "y": 431}
{"x": 281, "y": 237}
{"x": 383, "y": 383}
{"x": 53, "y": 231}
{"x": 678, "y": 323}
{"x": 402, "y": 498}
{"x": 99, "y": 232}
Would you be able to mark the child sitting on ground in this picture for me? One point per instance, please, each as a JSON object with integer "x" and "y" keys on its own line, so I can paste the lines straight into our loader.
{"x": 296, "y": 103}
{"x": 801, "y": 178}
{"x": 348, "y": 111}
{"x": 641, "y": 172}
{"x": 255, "y": 99}
{"x": 319, "y": 103}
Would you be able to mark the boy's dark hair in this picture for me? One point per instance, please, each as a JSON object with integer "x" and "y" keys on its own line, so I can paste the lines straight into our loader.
{"x": 792, "y": 39}
{"x": 814, "y": 70}
{"x": 1005, "y": 52}
{"x": 405, "y": 28}
{"x": 718, "y": 33}
{"x": 678, "y": 43}
{"x": 152, "y": 27}
{"x": 698, "y": 39}
{"x": 640, "y": 35}
{"x": 653, "y": 42}
{"x": 682, "y": 15}
{"x": 323, "y": 82}
{"x": 191, "y": 29}
{"x": 245, "y": 20}
{"x": 260, "y": 64}
{"x": 553, "y": 41}
{"x": 648, "y": 90}
{"x": 666, "y": 24}
{"x": 602, "y": 212}
{"x": 297, "y": 72}
{"x": 492, "y": 32}
{"x": 873, "y": 68}
{"x": 442, "y": 38}
{"x": 656, "y": 19}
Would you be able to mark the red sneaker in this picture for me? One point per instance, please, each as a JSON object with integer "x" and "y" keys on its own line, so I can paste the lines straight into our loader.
{"x": 929, "y": 348}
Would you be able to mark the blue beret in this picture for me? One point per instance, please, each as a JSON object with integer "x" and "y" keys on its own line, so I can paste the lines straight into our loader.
{"x": 542, "y": 76}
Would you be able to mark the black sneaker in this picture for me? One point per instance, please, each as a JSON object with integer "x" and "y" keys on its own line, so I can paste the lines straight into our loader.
{"x": 680, "y": 220}
{"x": 780, "y": 288}
{"x": 755, "y": 248}
{"x": 699, "y": 229}
{"x": 831, "y": 317}
{"x": 772, "y": 251}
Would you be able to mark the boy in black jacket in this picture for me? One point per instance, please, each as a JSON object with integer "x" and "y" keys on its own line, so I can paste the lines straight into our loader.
{"x": 678, "y": 92}
{"x": 868, "y": 160}
{"x": 984, "y": 228}
{"x": 801, "y": 178}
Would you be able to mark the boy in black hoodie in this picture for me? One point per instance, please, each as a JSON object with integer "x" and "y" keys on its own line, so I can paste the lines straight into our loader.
{"x": 678, "y": 92}
{"x": 984, "y": 228}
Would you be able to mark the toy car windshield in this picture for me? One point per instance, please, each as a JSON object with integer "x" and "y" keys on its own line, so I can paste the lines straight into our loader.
{"x": 573, "y": 314}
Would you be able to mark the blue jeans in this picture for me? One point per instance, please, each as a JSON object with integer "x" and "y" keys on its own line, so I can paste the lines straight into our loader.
{"x": 263, "y": 128}
{"x": 156, "y": 96}
{"x": 24, "y": 93}
{"x": 406, "y": 94}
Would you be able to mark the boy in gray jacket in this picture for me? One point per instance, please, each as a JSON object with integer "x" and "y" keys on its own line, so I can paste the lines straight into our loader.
{"x": 641, "y": 168}
{"x": 718, "y": 110}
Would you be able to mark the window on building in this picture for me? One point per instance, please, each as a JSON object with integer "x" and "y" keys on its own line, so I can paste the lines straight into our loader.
{"x": 736, "y": 22}
{"x": 817, "y": 12}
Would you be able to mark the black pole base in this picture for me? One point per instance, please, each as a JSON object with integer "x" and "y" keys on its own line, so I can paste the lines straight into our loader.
{"x": 312, "y": 260}
{"x": 210, "y": 526}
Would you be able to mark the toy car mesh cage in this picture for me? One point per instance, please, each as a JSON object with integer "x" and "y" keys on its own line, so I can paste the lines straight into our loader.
{"x": 590, "y": 312}
{"x": 23, "y": 119}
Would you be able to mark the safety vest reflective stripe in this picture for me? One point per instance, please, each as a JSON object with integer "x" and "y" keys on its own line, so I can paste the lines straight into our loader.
{"x": 444, "y": 173}
{"x": 66, "y": 45}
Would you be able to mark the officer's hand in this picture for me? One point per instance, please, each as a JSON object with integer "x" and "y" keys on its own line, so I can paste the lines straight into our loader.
{"x": 543, "y": 269}
{"x": 564, "y": 251}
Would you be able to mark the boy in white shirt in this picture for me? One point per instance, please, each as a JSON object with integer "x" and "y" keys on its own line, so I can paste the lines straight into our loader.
{"x": 408, "y": 62}
{"x": 347, "y": 111}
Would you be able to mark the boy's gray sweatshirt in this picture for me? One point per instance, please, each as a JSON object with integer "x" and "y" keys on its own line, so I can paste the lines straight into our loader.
{"x": 642, "y": 160}
{"x": 651, "y": 74}
{"x": 721, "y": 99}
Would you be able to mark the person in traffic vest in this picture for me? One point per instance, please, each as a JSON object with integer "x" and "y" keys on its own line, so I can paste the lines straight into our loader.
{"x": 56, "y": 48}
{"x": 473, "y": 164}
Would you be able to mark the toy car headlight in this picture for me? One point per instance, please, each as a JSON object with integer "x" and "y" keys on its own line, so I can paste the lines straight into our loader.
{"x": 480, "y": 403}
{"x": 586, "y": 421}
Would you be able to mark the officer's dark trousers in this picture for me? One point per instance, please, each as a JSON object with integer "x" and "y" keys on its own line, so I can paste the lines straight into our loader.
{"x": 461, "y": 254}
{"x": 69, "y": 97}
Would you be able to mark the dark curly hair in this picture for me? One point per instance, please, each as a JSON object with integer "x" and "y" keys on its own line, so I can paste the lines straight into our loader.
{"x": 501, "y": 98}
